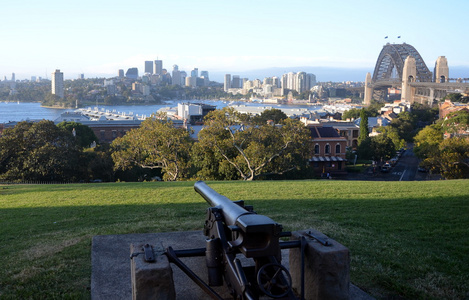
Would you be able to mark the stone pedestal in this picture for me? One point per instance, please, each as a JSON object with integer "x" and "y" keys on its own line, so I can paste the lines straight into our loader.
{"x": 327, "y": 268}
{"x": 151, "y": 280}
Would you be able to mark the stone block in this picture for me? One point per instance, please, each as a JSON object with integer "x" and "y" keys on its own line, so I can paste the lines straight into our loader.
{"x": 327, "y": 268}
{"x": 151, "y": 280}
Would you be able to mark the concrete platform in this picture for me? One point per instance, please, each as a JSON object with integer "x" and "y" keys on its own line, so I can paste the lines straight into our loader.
{"x": 110, "y": 259}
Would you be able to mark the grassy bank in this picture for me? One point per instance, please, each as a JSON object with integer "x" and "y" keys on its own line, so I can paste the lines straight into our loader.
{"x": 407, "y": 239}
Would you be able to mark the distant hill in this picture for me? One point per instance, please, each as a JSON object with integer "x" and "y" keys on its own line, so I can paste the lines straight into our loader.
{"x": 324, "y": 74}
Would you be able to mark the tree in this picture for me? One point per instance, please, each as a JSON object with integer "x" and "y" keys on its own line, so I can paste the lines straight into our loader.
{"x": 156, "y": 144}
{"x": 255, "y": 150}
{"x": 364, "y": 133}
{"x": 451, "y": 159}
{"x": 273, "y": 114}
{"x": 405, "y": 125}
{"x": 38, "y": 152}
{"x": 83, "y": 134}
{"x": 382, "y": 147}
{"x": 393, "y": 134}
{"x": 426, "y": 142}
{"x": 353, "y": 113}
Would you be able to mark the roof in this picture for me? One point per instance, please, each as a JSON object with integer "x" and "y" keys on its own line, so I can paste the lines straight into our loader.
{"x": 323, "y": 132}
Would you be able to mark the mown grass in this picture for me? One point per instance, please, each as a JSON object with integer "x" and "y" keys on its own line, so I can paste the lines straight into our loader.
{"x": 408, "y": 240}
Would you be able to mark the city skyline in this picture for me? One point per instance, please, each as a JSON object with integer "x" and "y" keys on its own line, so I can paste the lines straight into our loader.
{"x": 99, "y": 38}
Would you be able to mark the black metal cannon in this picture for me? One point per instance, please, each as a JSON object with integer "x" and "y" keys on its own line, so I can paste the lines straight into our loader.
{"x": 242, "y": 250}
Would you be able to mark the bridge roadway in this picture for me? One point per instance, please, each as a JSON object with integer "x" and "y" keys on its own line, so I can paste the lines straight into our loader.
{"x": 435, "y": 85}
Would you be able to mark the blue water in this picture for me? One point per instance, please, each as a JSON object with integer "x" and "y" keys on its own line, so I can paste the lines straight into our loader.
{"x": 13, "y": 111}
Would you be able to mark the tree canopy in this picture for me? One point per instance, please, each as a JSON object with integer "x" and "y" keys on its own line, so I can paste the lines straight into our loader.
{"x": 83, "y": 134}
{"x": 254, "y": 150}
{"x": 38, "y": 152}
{"x": 156, "y": 144}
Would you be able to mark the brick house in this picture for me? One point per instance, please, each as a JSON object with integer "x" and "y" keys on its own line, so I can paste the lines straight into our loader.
{"x": 328, "y": 151}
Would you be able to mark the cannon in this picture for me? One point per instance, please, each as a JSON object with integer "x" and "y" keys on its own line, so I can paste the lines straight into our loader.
{"x": 243, "y": 253}
{"x": 232, "y": 228}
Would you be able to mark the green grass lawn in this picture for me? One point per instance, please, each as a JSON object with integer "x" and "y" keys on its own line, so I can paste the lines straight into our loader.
{"x": 408, "y": 240}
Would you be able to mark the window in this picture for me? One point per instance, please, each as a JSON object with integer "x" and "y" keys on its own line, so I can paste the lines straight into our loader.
{"x": 337, "y": 149}
{"x": 316, "y": 149}
{"x": 327, "y": 149}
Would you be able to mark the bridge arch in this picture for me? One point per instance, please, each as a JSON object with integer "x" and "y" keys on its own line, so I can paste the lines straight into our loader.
{"x": 391, "y": 60}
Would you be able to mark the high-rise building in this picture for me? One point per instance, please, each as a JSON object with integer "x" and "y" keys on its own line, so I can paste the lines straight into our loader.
{"x": 176, "y": 75}
{"x": 204, "y": 74}
{"x": 159, "y": 67}
{"x": 149, "y": 66}
{"x": 236, "y": 83}
{"x": 227, "y": 84}
{"x": 121, "y": 73}
{"x": 195, "y": 73}
{"x": 132, "y": 73}
{"x": 58, "y": 83}
{"x": 13, "y": 77}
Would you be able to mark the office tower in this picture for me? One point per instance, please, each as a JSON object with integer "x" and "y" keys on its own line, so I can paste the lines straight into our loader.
{"x": 176, "y": 75}
{"x": 204, "y": 74}
{"x": 236, "y": 83}
{"x": 227, "y": 84}
{"x": 195, "y": 73}
{"x": 58, "y": 83}
{"x": 13, "y": 77}
{"x": 33, "y": 78}
{"x": 183, "y": 75}
{"x": 158, "y": 67}
{"x": 121, "y": 73}
{"x": 149, "y": 66}
{"x": 300, "y": 82}
{"x": 81, "y": 76}
{"x": 132, "y": 73}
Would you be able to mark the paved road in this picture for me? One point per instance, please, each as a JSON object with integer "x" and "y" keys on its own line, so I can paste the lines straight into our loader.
{"x": 406, "y": 169}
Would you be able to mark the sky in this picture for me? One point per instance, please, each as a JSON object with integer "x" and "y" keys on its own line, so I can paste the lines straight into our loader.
{"x": 99, "y": 37}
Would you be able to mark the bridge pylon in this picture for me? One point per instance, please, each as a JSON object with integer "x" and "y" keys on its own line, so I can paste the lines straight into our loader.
{"x": 409, "y": 74}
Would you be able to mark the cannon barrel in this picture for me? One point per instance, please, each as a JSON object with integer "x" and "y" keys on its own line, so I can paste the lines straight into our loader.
{"x": 231, "y": 210}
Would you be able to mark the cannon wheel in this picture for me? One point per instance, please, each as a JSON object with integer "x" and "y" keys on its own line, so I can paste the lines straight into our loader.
{"x": 274, "y": 280}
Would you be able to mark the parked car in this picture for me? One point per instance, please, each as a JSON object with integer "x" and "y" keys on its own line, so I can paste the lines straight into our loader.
{"x": 386, "y": 168}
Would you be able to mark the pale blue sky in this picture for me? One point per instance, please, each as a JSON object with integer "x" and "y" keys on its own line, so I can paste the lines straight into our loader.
{"x": 101, "y": 36}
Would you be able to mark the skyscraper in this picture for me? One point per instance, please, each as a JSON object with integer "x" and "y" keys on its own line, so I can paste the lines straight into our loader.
{"x": 227, "y": 84}
{"x": 204, "y": 74}
{"x": 58, "y": 83}
{"x": 149, "y": 66}
{"x": 159, "y": 67}
{"x": 236, "y": 83}
{"x": 195, "y": 73}
{"x": 176, "y": 79}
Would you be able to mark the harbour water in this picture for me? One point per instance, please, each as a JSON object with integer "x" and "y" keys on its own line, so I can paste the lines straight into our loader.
{"x": 13, "y": 111}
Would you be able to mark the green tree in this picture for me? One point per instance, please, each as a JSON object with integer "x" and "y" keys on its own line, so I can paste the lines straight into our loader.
{"x": 353, "y": 113}
{"x": 405, "y": 125}
{"x": 38, "y": 152}
{"x": 364, "y": 131}
{"x": 451, "y": 159}
{"x": 273, "y": 114}
{"x": 255, "y": 150}
{"x": 393, "y": 134}
{"x": 382, "y": 147}
{"x": 83, "y": 134}
{"x": 426, "y": 142}
{"x": 156, "y": 144}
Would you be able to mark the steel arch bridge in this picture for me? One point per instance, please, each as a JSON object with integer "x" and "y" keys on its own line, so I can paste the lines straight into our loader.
{"x": 391, "y": 60}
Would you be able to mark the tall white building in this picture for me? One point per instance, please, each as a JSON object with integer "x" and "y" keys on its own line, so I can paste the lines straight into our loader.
{"x": 58, "y": 83}
{"x": 227, "y": 84}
